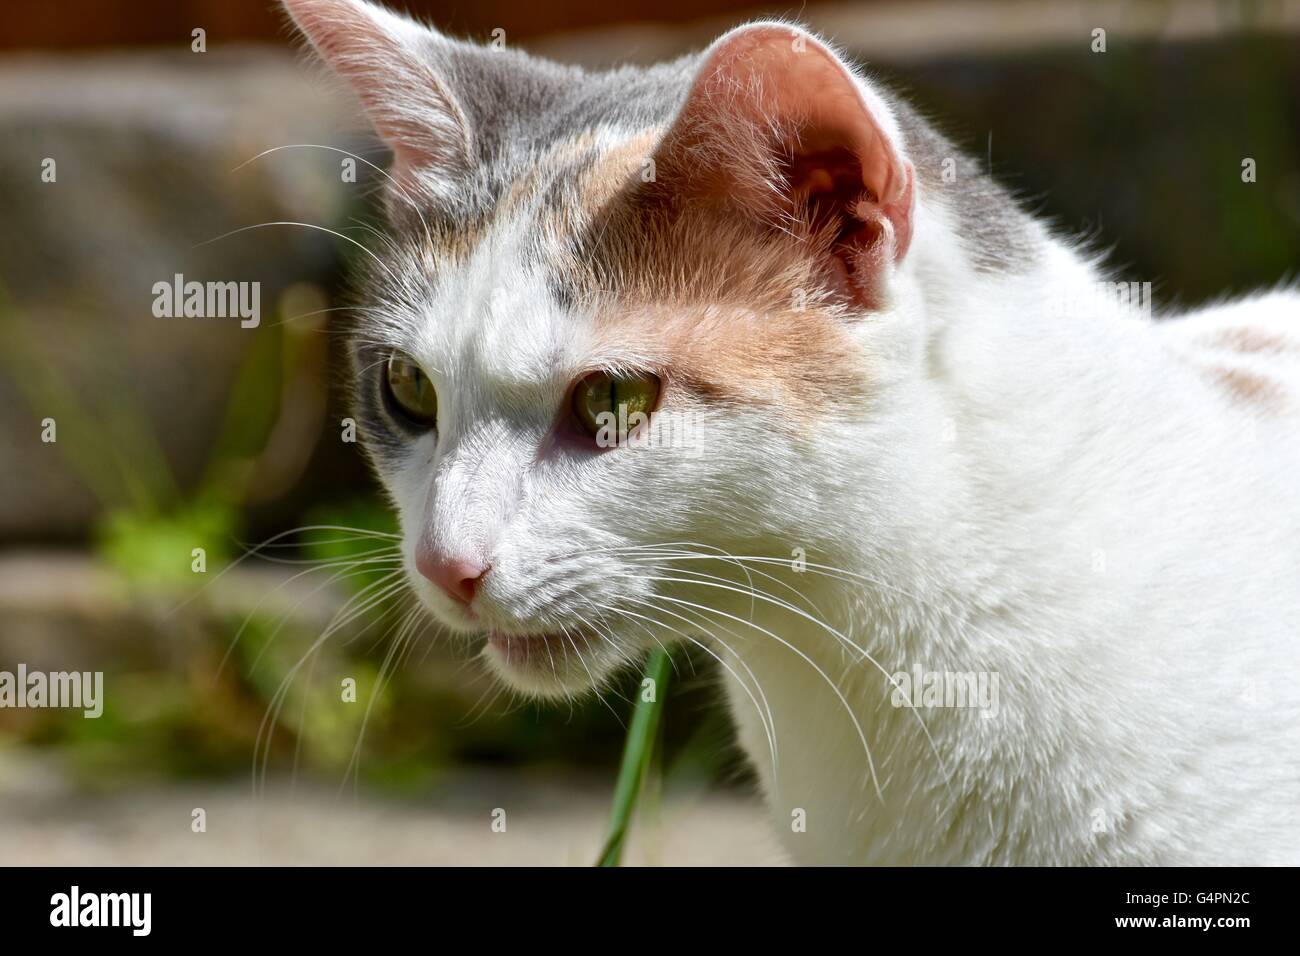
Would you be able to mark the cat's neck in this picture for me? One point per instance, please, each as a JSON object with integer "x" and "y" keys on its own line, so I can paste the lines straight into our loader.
{"x": 992, "y": 521}
{"x": 987, "y": 455}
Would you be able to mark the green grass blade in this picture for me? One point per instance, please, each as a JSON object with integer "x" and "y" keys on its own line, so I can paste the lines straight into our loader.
{"x": 638, "y": 753}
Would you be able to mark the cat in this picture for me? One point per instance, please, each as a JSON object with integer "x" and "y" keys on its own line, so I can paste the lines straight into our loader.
{"x": 998, "y": 567}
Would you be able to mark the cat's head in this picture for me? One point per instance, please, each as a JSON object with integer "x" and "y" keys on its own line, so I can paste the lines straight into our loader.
{"x": 721, "y": 242}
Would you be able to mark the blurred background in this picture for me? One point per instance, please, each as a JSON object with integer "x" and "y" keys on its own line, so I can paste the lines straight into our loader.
{"x": 181, "y": 434}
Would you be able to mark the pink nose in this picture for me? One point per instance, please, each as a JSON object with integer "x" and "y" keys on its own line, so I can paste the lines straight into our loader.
{"x": 457, "y": 577}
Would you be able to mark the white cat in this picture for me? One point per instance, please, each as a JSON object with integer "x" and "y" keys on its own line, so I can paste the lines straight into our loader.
{"x": 1000, "y": 569}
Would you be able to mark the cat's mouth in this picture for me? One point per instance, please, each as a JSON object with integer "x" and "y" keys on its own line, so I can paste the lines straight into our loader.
{"x": 550, "y": 663}
{"x": 524, "y": 650}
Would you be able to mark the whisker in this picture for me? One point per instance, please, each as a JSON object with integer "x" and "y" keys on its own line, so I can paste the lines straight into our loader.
{"x": 304, "y": 225}
{"x": 846, "y": 641}
{"x": 386, "y": 577}
{"x": 402, "y": 628}
{"x": 401, "y": 189}
{"x": 348, "y": 570}
{"x": 590, "y": 676}
{"x": 863, "y": 654}
{"x": 764, "y": 710}
{"x": 271, "y": 717}
{"x": 274, "y": 538}
{"x": 839, "y": 694}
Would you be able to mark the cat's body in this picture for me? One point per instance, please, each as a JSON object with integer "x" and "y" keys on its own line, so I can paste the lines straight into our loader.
{"x": 931, "y": 441}
{"x": 1130, "y": 579}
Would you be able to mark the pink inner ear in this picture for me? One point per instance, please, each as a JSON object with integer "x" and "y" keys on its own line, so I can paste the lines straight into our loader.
{"x": 828, "y": 185}
{"x": 821, "y": 135}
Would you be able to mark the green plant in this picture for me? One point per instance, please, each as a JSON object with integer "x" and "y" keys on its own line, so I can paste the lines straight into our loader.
{"x": 638, "y": 755}
{"x": 148, "y": 525}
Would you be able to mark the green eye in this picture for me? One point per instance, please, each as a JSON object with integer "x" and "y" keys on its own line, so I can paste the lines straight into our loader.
{"x": 411, "y": 390}
{"x": 609, "y": 401}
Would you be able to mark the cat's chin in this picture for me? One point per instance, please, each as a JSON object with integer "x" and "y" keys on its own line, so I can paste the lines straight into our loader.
{"x": 553, "y": 665}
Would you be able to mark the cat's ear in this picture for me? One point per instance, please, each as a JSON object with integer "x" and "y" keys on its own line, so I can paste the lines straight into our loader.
{"x": 777, "y": 126}
{"x": 392, "y": 64}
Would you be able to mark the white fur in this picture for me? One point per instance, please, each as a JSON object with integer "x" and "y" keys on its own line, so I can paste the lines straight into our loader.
{"x": 1069, "y": 502}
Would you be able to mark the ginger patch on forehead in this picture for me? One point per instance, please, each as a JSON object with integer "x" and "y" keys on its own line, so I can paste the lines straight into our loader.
{"x": 793, "y": 361}
{"x": 609, "y": 174}
{"x": 735, "y": 310}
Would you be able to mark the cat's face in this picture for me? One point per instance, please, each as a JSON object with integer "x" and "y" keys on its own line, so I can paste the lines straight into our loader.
{"x": 556, "y": 534}
{"x": 700, "y": 254}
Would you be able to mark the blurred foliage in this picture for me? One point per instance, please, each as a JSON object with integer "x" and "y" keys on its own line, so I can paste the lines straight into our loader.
{"x": 196, "y": 717}
{"x": 1139, "y": 150}
{"x": 206, "y": 713}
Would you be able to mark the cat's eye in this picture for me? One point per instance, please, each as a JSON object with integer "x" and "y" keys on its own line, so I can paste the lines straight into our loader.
{"x": 614, "y": 404}
{"x": 411, "y": 391}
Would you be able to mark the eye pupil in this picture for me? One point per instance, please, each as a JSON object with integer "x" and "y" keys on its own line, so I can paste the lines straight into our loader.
{"x": 602, "y": 399}
{"x": 411, "y": 391}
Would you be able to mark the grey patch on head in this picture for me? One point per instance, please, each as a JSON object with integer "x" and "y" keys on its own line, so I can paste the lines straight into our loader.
{"x": 997, "y": 234}
{"x": 518, "y": 104}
